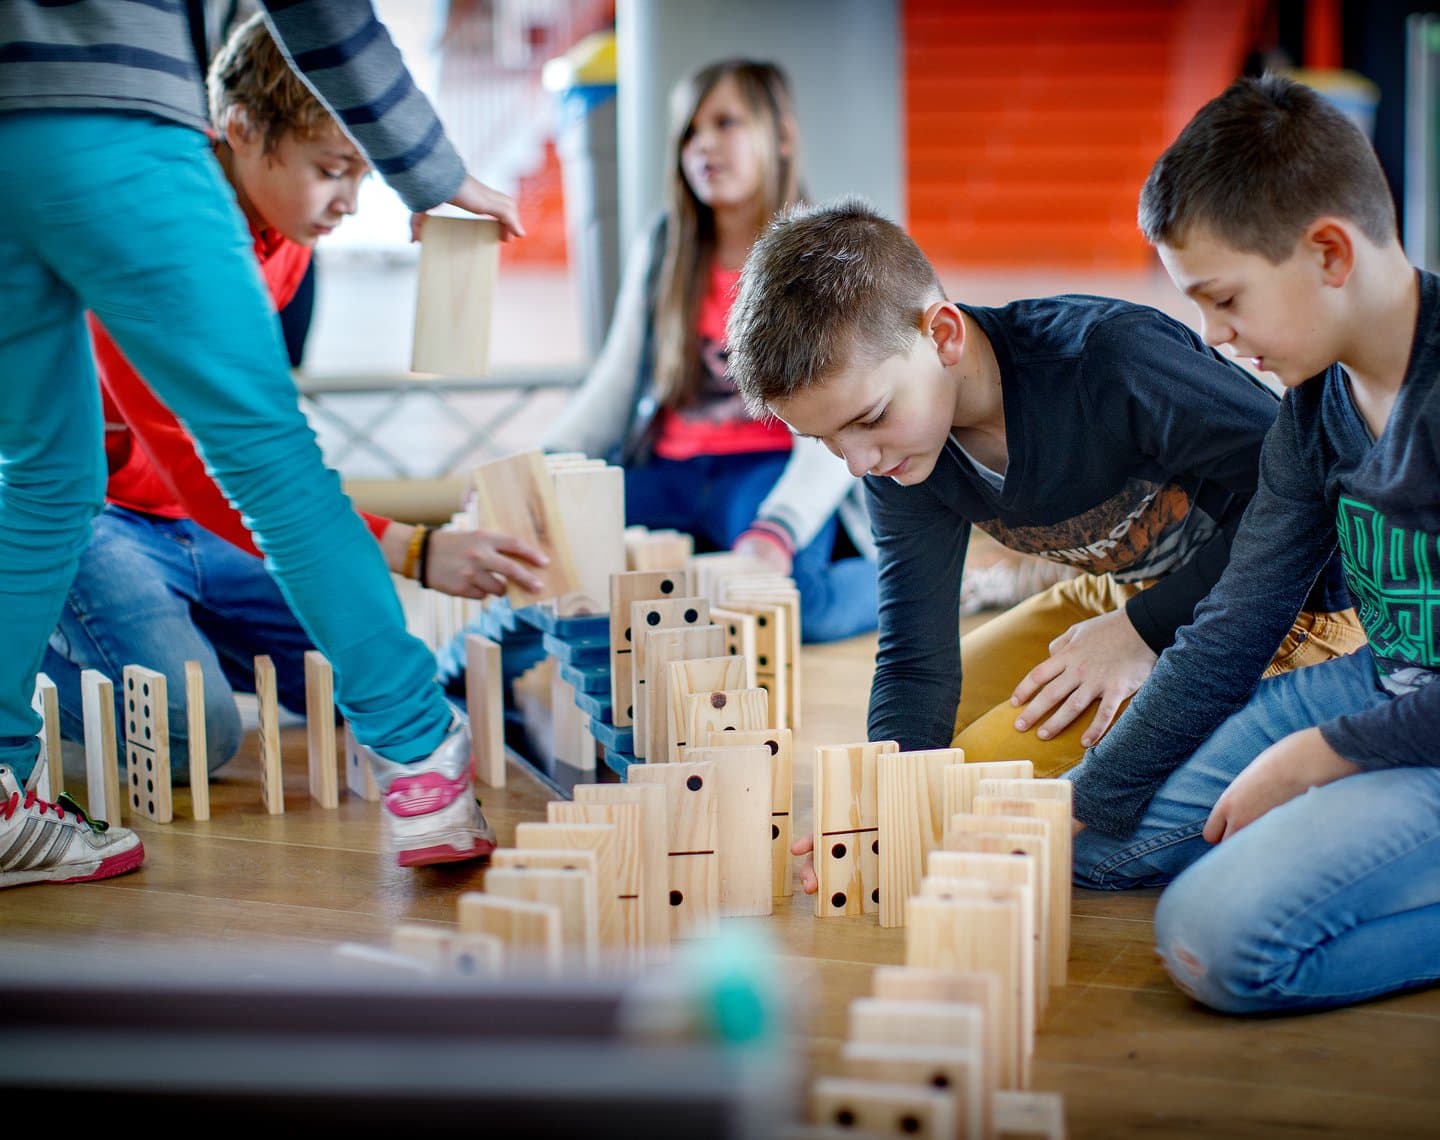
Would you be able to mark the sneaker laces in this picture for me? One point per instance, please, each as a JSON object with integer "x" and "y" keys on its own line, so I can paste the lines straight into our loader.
{"x": 63, "y": 802}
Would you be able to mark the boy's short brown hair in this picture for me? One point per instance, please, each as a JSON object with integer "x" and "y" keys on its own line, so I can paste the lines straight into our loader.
{"x": 250, "y": 73}
{"x": 822, "y": 287}
{"x": 1259, "y": 163}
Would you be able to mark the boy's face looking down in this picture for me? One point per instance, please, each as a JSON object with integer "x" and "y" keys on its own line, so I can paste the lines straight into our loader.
{"x": 303, "y": 187}
{"x": 892, "y": 418}
{"x": 1282, "y": 318}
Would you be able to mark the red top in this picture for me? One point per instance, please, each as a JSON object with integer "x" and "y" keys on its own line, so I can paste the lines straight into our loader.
{"x": 164, "y": 475}
{"x": 716, "y": 422}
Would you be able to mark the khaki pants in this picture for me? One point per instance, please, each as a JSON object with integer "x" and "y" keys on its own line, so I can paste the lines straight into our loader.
{"x": 996, "y": 657}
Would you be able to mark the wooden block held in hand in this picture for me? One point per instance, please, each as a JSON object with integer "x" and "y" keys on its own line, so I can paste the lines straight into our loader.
{"x": 516, "y": 496}
{"x": 459, "y": 262}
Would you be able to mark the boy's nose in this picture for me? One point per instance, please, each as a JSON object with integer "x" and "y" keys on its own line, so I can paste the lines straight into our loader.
{"x": 1215, "y": 332}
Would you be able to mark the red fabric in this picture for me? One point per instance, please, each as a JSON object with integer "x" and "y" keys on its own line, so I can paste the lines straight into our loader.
{"x": 716, "y": 423}
{"x": 154, "y": 467}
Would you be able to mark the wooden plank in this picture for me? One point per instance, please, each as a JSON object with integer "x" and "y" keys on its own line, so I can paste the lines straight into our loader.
{"x": 459, "y": 263}
{"x": 1035, "y": 847}
{"x": 102, "y": 767}
{"x": 962, "y": 780}
{"x": 693, "y": 864}
{"x": 632, "y": 586}
{"x": 47, "y": 704}
{"x": 569, "y": 829}
{"x": 272, "y": 779}
{"x": 147, "y": 743}
{"x": 516, "y": 496}
{"x": 199, "y": 753}
{"x": 485, "y": 706}
{"x": 591, "y": 500}
{"x": 320, "y": 730}
{"x": 910, "y": 793}
{"x": 652, "y": 882}
{"x": 529, "y": 931}
{"x": 847, "y": 828}
{"x": 574, "y": 893}
{"x": 743, "y": 789}
{"x": 780, "y": 742}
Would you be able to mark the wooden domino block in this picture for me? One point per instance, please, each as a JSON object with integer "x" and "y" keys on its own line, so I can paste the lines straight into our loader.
{"x": 693, "y": 862}
{"x": 529, "y": 931}
{"x": 667, "y": 550}
{"x": 459, "y": 263}
{"x": 1029, "y": 1115}
{"x": 320, "y": 729}
{"x": 601, "y": 838}
{"x": 650, "y": 615}
{"x": 654, "y": 652}
{"x": 979, "y": 927}
{"x": 1019, "y": 870}
{"x": 698, "y": 675}
{"x": 47, "y": 703}
{"x": 147, "y": 743}
{"x": 1011, "y": 844}
{"x": 756, "y": 596}
{"x": 1050, "y": 801}
{"x": 516, "y": 496}
{"x": 272, "y": 777}
{"x": 573, "y": 893}
{"x": 847, "y": 828}
{"x": 102, "y": 769}
{"x": 880, "y": 1108}
{"x": 730, "y": 710}
{"x": 570, "y": 740}
{"x": 910, "y": 789}
{"x": 741, "y": 632}
{"x": 926, "y": 989}
{"x": 485, "y": 706}
{"x": 957, "y": 1071}
{"x": 743, "y": 779}
{"x": 449, "y": 951}
{"x": 650, "y": 910}
{"x": 782, "y": 793}
{"x": 195, "y": 728}
{"x": 591, "y": 501}
{"x": 772, "y": 657}
{"x": 962, "y": 780}
{"x": 633, "y": 586}
{"x": 359, "y": 777}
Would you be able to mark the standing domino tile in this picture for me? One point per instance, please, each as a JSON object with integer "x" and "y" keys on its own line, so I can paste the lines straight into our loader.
{"x": 102, "y": 768}
{"x": 46, "y": 702}
{"x": 320, "y": 729}
{"x": 195, "y": 726}
{"x": 147, "y": 743}
{"x": 272, "y": 780}
{"x": 359, "y": 779}
{"x": 485, "y": 705}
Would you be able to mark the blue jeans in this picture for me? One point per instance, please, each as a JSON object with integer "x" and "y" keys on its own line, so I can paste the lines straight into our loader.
{"x": 1329, "y": 899}
{"x": 130, "y": 216}
{"x": 715, "y": 497}
{"x": 161, "y": 592}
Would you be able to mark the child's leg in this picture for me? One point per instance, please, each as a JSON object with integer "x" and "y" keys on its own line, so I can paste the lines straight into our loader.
{"x": 996, "y": 657}
{"x": 130, "y": 604}
{"x": 135, "y": 213}
{"x": 1168, "y": 839}
{"x": 1329, "y": 899}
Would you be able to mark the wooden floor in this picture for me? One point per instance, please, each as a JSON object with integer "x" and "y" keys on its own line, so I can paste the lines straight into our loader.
{"x": 1132, "y": 1056}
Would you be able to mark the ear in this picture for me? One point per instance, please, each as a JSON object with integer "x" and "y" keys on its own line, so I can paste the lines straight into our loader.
{"x": 945, "y": 327}
{"x": 240, "y": 133}
{"x": 1331, "y": 247}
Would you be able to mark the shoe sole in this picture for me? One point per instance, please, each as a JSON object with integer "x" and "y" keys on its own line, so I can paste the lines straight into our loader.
{"x": 444, "y": 853}
{"x": 108, "y": 869}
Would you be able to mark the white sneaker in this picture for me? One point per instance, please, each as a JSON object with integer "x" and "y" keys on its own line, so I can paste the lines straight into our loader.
{"x": 43, "y": 842}
{"x": 434, "y": 816}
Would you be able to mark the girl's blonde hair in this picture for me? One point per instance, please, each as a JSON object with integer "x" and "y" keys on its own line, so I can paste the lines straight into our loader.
{"x": 690, "y": 229}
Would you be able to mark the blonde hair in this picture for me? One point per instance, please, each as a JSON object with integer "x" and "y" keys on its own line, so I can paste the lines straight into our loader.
{"x": 690, "y": 232}
{"x": 251, "y": 75}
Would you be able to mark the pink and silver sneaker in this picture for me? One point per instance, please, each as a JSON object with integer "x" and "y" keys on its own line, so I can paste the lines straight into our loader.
{"x": 44, "y": 842}
{"x": 434, "y": 816}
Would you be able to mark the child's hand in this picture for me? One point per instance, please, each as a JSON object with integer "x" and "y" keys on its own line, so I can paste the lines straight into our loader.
{"x": 1100, "y": 659}
{"x": 809, "y": 881}
{"x": 768, "y": 554}
{"x": 475, "y": 563}
{"x": 478, "y": 198}
{"x": 1283, "y": 771}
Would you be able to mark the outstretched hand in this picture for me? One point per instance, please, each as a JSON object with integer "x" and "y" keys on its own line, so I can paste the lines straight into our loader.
{"x": 478, "y": 563}
{"x": 1100, "y": 659}
{"x": 478, "y": 198}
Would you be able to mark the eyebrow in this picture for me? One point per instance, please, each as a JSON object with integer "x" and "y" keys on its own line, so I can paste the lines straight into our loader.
{"x": 869, "y": 411}
{"x": 1200, "y": 286}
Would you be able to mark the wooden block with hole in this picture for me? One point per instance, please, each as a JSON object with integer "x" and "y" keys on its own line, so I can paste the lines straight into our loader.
{"x": 591, "y": 500}
{"x": 707, "y": 573}
{"x": 603, "y": 839}
{"x": 847, "y": 828}
{"x": 741, "y": 639}
{"x": 195, "y": 726}
{"x": 971, "y": 926}
{"x": 359, "y": 777}
{"x": 1050, "y": 801}
{"x": 102, "y": 767}
{"x": 320, "y": 729}
{"x": 632, "y": 586}
{"x": 649, "y": 911}
{"x": 656, "y": 650}
{"x": 272, "y": 778}
{"x": 574, "y": 893}
{"x": 698, "y": 675}
{"x": 743, "y": 779}
{"x": 693, "y": 862}
{"x": 780, "y": 743}
{"x": 459, "y": 263}
{"x": 46, "y": 702}
{"x": 485, "y": 706}
{"x": 922, "y": 989}
{"x": 745, "y": 596}
{"x": 516, "y": 496}
{"x": 657, "y": 549}
{"x": 962, "y": 780}
{"x": 651, "y": 615}
{"x": 880, "y": 1108}
{"x": 958, "y": 1072}
{"x": 541, "y": 851}
{"x": 450, "y": 951}
{"x": 1029, "y": 1115}
{"x": 910, "y": 793}
{"x": 529, "y": 931}
{"x": 772, "y": 657}
{"x": 728, "y": 711}
{"x": 147, "y": 743}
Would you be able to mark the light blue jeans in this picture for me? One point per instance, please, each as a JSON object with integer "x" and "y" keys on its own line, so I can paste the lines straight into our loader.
{"x": 1329, "y": 899}
{"x": 129, "y": 216}
{"x": 161, "y": 592}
